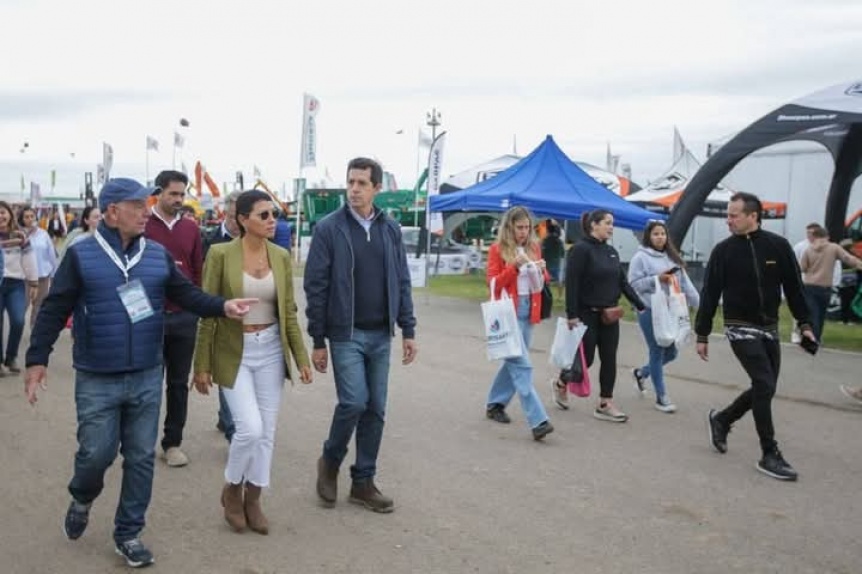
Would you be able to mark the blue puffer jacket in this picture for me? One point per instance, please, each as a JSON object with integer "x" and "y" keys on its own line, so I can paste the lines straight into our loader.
{"x": 86, "y": 285}
{"x": 328, "y": 280}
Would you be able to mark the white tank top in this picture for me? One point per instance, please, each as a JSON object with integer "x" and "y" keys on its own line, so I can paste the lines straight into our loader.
{"x": 264, "y": 311}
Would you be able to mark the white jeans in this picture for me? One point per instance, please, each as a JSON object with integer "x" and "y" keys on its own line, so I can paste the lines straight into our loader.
{"x": 254, "y": 401}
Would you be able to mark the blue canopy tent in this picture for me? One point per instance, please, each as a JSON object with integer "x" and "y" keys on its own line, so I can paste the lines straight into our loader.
{"x": 547, "y": 183}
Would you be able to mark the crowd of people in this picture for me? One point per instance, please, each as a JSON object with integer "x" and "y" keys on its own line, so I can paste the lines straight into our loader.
{"x": 153, "y": 302}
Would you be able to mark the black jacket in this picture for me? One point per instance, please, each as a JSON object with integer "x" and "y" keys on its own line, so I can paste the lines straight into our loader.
{"x": 749, "y": 272}
{"x": 595, "y": 278}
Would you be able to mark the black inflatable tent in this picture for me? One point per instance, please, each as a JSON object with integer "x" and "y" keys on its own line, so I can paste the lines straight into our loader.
{"x": 831, "y": 117}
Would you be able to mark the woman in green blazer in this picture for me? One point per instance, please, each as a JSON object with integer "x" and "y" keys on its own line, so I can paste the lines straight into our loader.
{"x": 249, "y": 360}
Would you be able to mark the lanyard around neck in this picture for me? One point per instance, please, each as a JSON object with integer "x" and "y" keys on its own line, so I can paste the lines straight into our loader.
{"x": 127, "y": 266}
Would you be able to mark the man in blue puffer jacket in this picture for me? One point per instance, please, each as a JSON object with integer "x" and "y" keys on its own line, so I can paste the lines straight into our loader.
{"x": 115, "y": 284}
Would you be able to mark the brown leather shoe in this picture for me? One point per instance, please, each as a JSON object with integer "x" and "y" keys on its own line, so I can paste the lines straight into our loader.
{"x": 327, "y": 482}
{"x": 365, "y": 493}
{"x": 254, "y": 516}
{"x": 234, "y": 513}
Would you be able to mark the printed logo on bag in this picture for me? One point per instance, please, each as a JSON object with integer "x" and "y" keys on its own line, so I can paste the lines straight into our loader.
{"x": 495, "y": 326}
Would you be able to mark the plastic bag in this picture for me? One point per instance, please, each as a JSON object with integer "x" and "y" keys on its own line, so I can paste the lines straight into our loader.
{"x": 502, "y": 333}
{"x": 565, "y": 345}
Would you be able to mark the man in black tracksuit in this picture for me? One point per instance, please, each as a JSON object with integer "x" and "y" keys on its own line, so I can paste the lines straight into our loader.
{"x": 748, "y": 270}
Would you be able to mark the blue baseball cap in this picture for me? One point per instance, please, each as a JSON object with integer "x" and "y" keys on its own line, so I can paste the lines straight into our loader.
{"x": 119, "y": 189}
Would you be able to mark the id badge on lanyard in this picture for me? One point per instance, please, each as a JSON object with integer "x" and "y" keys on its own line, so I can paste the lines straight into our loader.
{"x": 132, "y": 293}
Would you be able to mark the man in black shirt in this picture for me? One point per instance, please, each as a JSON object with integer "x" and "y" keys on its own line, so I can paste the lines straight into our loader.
{"x": 748, "y": 272}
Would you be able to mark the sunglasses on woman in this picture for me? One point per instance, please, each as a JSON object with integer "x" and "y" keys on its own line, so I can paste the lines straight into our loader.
{"x": 264, "y": 215}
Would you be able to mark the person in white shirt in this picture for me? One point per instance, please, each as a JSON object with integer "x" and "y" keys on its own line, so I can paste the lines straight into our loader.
{"x": 46, "y": 256}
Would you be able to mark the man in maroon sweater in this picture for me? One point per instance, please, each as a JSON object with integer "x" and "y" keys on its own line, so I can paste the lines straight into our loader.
{"x": 182, "y": 238}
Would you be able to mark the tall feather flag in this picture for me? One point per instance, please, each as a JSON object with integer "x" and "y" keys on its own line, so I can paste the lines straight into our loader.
{"x": 107, "y": 160}
{"x": 152, "y": 143}
{"x": 179, "y": 140}
{"x": 308, "y": 152}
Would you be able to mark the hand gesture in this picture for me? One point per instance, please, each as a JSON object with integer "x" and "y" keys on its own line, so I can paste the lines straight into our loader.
{"x": 320, "y": 358}
{"x": 305, "y": 375}
{"x": 238, "y": 308}
{"x": 35, "y": 378}
{"x": 703, "y": 351}
{"x": 665, "y": 277}
{"x": 521, "y": 259}
{"x": 202, "y": 382}
{"x": 409, "y": 351}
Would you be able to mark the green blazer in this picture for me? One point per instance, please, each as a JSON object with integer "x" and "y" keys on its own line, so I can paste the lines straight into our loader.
{"x": 219, "y": 343}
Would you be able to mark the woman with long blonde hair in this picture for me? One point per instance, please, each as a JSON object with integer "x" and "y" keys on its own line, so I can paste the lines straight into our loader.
{"x": 515, "y": 265}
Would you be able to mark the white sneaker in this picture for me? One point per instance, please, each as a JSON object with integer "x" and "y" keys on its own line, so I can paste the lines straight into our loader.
{"x": 608, "y": 412}
{"x": 665, "y": 405}
{"x": 175, "y": 457}
{"x": 561, "y": 394}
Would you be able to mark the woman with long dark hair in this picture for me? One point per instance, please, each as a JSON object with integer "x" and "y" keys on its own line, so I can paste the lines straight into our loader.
{"x": 657, "y": 257}
{"x": 515, "y": 265}
{"x": 19, "y": 286}
{"x": 594, "y": 282}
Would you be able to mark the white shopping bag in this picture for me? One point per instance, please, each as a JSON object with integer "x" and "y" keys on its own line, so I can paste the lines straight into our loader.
{"x": 502, "y": 334}
{"x": 565, "y": 345}
{"x": 665, "y": 326}
{"x": 678, "y": 305}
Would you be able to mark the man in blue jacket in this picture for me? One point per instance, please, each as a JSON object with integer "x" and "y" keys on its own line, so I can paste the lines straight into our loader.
{"x": 357, "y": 287}
{"x": 115, "y": 284}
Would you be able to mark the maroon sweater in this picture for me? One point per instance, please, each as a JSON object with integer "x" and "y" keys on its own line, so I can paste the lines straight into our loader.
{"x": 183, "y": 242}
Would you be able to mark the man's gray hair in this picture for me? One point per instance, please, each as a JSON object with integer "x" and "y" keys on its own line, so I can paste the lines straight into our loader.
{"x": 231, "y": 199}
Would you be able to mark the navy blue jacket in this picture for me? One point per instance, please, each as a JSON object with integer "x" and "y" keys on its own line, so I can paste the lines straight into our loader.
{"x": 329, "y": 285}
{"x": 85, "y": 285}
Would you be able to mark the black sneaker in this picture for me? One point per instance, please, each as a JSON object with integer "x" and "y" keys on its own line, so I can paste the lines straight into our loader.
{"x": 543, "y": 430}
{"x": 76, "y": 519}
{"x": 135, "y": 553}
{"x": 640, "y": 382}
{"x": 774, "y": 465}
{"x": 497, "y": 412}
{"x": 718, "y": 431}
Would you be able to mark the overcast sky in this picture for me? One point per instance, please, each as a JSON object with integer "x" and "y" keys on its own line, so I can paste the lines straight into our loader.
{"x": 75, "y": 74}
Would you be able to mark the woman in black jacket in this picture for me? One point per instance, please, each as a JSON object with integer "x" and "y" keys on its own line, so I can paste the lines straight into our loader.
{"x": 594, "y": 282}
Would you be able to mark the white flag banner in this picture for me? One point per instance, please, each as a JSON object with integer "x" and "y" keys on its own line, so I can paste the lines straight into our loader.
{"x": 152, "y": 143}
{"x": 308, "y": 153}
{"x": 100, "y": 174}
{"x": 435, "y": 175}
{"x": 107, "y": 161}
{"x": 179, "y": 140}
{"x": 35, "y": 193}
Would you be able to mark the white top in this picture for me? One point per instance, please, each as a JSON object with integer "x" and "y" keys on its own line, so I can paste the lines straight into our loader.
{"x": 263, "y": 312}
{"x": 43, "y": 248}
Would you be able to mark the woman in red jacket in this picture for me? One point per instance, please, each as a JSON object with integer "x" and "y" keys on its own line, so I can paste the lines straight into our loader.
{"x": 516, "y": 265}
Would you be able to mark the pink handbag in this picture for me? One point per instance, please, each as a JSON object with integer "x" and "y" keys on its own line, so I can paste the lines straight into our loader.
{"x": 581, "y": 388}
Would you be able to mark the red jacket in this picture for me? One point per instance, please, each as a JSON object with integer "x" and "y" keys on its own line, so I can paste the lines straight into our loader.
{"x": 506, "y": 275}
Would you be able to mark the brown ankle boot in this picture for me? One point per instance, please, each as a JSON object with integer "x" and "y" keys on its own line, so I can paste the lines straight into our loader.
{"x": 234, "y": 513}
{"x": 365, "y": 493}
{"x": 327, "y": 482}
{"x": 253, "y": 512}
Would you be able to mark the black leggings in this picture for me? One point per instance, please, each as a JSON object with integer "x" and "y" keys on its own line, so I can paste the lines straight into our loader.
{"x": 607, "y": 339}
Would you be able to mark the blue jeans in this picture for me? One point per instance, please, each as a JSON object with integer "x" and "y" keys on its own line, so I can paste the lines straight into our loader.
{"x": 361, "y": 368}
{"x": 818, "y": 302}
{"x": 658, "y": 356}
{"x": 225, "y": 418}
{"x": 13, "y": 300}
{"x": 118, "y": 412}
{"x": 516, "y": 375}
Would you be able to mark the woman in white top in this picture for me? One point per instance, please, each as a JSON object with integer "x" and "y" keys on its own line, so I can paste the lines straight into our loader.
{"x": 90, "y": 218}
{"x": 46, "y": 256}
{"x": 19, "y": 287}
{"x": 249, "y": 360}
